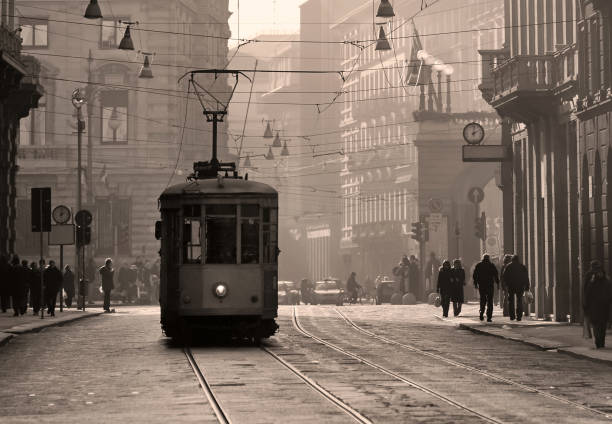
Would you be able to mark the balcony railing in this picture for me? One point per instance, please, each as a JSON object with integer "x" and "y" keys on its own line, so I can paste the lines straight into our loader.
{"x": 10, "y": 42}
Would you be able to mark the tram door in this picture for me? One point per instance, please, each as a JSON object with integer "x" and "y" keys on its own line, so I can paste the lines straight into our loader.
{"x": 170, "y": 258}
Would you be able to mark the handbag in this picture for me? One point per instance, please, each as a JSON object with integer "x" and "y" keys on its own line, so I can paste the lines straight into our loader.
{"x": 438, "y": 301}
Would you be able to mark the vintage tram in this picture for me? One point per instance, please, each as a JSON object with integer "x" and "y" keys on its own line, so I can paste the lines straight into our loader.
{"x": 219, "y": 255}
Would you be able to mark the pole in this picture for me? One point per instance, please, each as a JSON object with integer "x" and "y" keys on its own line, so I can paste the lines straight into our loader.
{"x": 61, "y": 297}
{"x": 80, "y": 127}
{"x": 214, "y": 144}
{"x": 40, "y": 263}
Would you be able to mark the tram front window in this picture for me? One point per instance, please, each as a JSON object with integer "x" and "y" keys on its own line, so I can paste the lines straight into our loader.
{"x": 192, "y": 246}
{"x": 221, "y": 234}
{"x": 249, "y": 230}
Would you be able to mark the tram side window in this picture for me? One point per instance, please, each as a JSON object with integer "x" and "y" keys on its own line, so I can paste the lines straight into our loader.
{"x": 221, "y": 234}
{"x": 192, "y": 245}
{"x": 249, "y": 229}
{"x": 270, "y": 235}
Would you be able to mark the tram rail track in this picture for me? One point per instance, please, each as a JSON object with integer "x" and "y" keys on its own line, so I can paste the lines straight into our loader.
{"x": 391, "y": 373}
{"x": 466, "y": 367}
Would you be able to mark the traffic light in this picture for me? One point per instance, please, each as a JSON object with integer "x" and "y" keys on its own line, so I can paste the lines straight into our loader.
{"x": 417, "y": 231}
{"x": 480, "y": 227}
{"x": 83, "y": 235}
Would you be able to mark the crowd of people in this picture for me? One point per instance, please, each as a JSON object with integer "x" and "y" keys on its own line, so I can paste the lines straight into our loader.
{"x": 22, "y": 286}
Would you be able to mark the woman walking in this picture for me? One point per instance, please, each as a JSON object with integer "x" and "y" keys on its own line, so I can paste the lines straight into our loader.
{"x": 597, "y": 300}
{"x": 458, "y": 281}
{"x": 445, "y": 286}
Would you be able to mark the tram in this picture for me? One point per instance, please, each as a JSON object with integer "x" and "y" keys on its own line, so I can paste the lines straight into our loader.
{"x": 219, "y": 255}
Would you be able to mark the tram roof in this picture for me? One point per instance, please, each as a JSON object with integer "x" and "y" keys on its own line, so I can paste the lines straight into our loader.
{"x": 211, "y": 186}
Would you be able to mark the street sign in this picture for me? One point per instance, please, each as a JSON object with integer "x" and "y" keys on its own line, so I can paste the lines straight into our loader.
{"x": 435, "y": 205}
{"x": 475, "y": 195}
{"x": 41, "y": 209}
{"x": 61, "y": 234}
{"x": 61, "y": 214}
{"x": 487, "y": 153}
{"x": 83, "y": 218}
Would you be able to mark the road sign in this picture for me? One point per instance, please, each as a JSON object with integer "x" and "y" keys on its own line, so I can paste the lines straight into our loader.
{"x": 41, "y": 209}
{"x": 83, "y": 218}
{"x": 435, "y": 205}
{"x": 61, "y": 234}
{"x": 475, "y": 195}
{"x": 61, "y": 214}
{"x": 487, "y": 153}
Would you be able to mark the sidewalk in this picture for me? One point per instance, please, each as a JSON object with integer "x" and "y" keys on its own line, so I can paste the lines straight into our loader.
{"x": 11, "y": 326}
{"x": 562, "y": 337}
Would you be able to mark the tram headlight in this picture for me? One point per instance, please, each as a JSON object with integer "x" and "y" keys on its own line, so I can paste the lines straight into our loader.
{"x": 220, "y": 290}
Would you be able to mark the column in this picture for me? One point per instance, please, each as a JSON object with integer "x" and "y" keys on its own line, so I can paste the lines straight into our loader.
{"x": 572, "y": 206}
{"x": 531, "y": 209}
{"x": 548, "y": 270}
{"x": 507, "y": 188}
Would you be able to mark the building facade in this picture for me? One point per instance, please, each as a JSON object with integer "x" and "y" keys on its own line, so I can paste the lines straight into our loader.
{"x": 19, "y": 93}
{"x": 141, "y": 135}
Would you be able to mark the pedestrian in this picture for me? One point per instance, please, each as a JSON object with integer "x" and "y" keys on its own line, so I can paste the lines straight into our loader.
{"x": 516, "y": 279}
{"x": 107, "y": 273}
{"x": 35, "y": 288}
{"x": 414, "y": 277}
{"x": 352, "y": 287}
{"x": 458, "y": 281}
{"x": 26, "y": 278}
{"x": 504, "y": 286}
{"x": 597, "y": 299}
{"x": 306, "y": 288}
{"x": 52, "y": 279}
{"x": 444, "y": 284}
{"x": 485, "y": 275}
{"x": 16, "y": 283}
{"x": 401, "y": 271}
{"x": 5, "y": 283}
{"x": 69, "y": 285}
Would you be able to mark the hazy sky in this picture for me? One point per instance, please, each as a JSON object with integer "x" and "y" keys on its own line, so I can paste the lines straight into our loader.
{"x": 264, "y": 16}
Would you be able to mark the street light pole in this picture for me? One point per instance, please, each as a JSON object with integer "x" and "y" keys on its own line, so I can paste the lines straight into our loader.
{"x": 77, "y": 101}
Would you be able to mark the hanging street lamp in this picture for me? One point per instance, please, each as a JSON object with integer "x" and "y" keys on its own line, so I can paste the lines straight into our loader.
{"x": 382, "y": 43}
{"x": 247, "y": 161}
{"x": 268, "y": 131}
{"x": 277, "y": 140}
{"x": 385, "y": 10}
{"x": 93, "y": 10}
{"x": 145, "y": 70}
{"x": 269, "y": 155}
{"x": 285, "y": 150}
{"x": 126, "y": 42}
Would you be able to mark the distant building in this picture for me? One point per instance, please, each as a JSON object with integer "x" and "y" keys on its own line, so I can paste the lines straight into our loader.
{"x": 19, "y": 92}
{"x": 141, "y": 134}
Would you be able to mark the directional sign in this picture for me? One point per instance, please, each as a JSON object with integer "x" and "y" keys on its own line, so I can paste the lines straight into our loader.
{"x": 487, "y": 153}
{"x": 61, "y": 234}
{"x": 41, "y": 209}
{"x": 475, "y": 195}
{"x": 435, "y": 205}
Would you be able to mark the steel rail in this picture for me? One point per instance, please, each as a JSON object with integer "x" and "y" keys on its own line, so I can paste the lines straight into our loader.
{"x": 210, "y": 396}
{"x": 315, "y": 386}
{"x": 471, "y": 368}
{"x": 390, "y": 373}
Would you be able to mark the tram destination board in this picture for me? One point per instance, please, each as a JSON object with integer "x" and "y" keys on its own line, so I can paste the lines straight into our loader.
{"x": 486, "y": 153}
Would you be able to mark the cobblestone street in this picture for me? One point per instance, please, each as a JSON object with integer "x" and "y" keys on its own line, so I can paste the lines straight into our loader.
{"x": 119, "y": 368}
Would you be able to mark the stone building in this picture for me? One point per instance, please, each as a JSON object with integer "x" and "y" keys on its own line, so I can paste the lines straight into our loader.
{"x": 19, "y": 92}
{"x": 141, "y": 134}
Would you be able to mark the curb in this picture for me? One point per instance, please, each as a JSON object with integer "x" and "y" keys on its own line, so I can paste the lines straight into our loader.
{"x": 9, "y": 333}
{"x": 542, "y": 344}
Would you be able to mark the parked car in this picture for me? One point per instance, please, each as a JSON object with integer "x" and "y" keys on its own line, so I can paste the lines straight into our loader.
{"x": 288, "y": 293}
{"x": 385, "y": 287}
{"x": 328, "y": 291}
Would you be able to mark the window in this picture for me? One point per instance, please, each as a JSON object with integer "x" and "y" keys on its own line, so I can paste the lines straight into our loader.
{"x": 220, "y": 234}
{"x": 111, "y": 33}
{"x": 32, "y": 127}
{"x": 114, "y": 105}
{"x": 192, "y": 245}
{"x": 270, "y": 247}
{"x": 34, "y": 32}
{"x": 249, "y": 234}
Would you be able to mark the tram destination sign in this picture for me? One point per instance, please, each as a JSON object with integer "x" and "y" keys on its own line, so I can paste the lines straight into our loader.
{"x": 485, "y": 153}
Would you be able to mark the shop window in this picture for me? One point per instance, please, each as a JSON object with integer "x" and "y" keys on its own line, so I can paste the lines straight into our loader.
{"x": 249, "y": 234}
{"x": 34, "y": 32}
{"x": 221, "y": 234}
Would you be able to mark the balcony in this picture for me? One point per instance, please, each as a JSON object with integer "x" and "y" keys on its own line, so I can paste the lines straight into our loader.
{"x": 528, "y": 85}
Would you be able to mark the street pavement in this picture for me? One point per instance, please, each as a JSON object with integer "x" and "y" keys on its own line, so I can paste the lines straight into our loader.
{"x": 120, "y": 368}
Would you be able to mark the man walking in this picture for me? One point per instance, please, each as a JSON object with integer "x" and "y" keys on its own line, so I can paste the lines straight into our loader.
{"x": 16, "y": 285}
{"x": 52, "y": 278}
{"x": 485, "y": 274}
{"x": 516, "y": 279}
{"x": 107, "y": 273}
{"x": 597, "y": 300}
{"x": 69, "y": 285}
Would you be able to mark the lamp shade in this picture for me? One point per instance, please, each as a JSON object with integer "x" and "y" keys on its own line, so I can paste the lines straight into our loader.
{"x": 268, "y": 131}
{"x": 126, "y": 42}
{"x": 285, "y": 150}
{"x": 269, "y": 155}
{"x": 93, "y": 10}
{"x": 277, "y": 141}
{"x": 382, "y": 43}
{"x": 385, "y": 10}
{"x": 247, "y": 161}
{"x": 145, "y": 70}
{"x": 113, "y": 122}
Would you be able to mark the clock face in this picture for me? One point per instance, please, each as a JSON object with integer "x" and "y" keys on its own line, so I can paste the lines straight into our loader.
{"x": 61, "y": 214}
{"x": 473, "y": 133}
